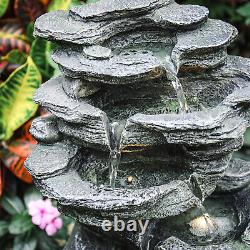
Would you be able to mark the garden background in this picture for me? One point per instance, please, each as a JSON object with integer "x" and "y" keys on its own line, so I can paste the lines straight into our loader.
{"x": 25, "y": 63}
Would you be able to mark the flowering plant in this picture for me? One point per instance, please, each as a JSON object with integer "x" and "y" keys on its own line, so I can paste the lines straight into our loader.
{"x": 34, "y": 223}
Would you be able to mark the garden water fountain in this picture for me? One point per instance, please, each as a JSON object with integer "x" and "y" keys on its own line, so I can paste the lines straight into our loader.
{"x": 144, "y": 122}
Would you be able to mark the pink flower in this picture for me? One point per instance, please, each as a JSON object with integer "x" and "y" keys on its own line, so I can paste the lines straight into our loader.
{"x": 45, "y": 216}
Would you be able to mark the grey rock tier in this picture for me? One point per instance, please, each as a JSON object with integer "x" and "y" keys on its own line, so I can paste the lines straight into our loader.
{"x": 146, "y": 116}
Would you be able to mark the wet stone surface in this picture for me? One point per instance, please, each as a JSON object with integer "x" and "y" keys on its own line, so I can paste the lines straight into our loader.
{"x": 146, "y": 116}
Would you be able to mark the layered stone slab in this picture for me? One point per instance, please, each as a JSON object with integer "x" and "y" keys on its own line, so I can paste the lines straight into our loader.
{"x": 45, "y": 129}
{"x": 115, "y": 9}
{"x": 160, "y": 201}
{"x": 180, "y": 16}
{"x": 237, "y": 176}
{"x": 205, "y": 46}
{"x": 130, "y": 66}
{"x": 91, "y": 29}
{"x": 75, "y": 116}
{"x": 58, "y": 157}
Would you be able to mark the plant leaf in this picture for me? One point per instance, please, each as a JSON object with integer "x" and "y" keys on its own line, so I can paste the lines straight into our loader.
{"x": 25, "y": 242}
{"x": 20, "y": 223}
{"x": 16, "y": 104}
{"x": 244, "y": 10}
{"x": 39, "y": 52}
{"x": 12, "y": 37}
{"x": 15, "y": 162}
{"x": 59, "y": 5}
{"x": 3, "y": 6}
{"x": 12, "y": 204}
{"x": 28, "y": 10}
{"x": 15, "y": 57}
{"x": 45, "y": 242}
{"x": 4, "y": 225}
{"x": 31, "y": 194}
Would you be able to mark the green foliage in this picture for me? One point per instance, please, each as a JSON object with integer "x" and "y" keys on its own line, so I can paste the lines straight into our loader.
{"x": 20, "y": 223}
{"x": 40, "y": 51}
{"x": 12, "y": 204}
{"x": 3, "y": 6}
{"x": 25, "y": 242}
{"x": 244, "y": 11}
{"x": 16, "y": 104}
{"x": 15, "y": 57}
{"x": 19, "y": 228}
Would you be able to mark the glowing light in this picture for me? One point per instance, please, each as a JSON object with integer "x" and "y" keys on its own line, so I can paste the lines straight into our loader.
{"x": 202, "y": 226}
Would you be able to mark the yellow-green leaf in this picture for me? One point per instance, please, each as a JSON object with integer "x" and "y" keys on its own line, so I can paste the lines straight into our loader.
{"x": 59, "y": 5}
{"x": 15, "y": 57}
{"x": 16, "y": 93}
{"x": 3, "y": 6}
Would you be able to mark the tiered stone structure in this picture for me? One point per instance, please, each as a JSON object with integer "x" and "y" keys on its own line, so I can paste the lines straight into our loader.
{"x": 144, "y": 121}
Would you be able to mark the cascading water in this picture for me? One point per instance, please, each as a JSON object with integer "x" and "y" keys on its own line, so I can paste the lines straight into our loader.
{"x": 172, "y": 71}
{"x": 115, "y": 152}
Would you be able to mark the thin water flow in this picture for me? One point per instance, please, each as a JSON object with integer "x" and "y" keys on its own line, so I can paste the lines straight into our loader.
{"x": 172, "y": 71}
{"x": 115, "y": 152}
{"x": 180, "y": 95}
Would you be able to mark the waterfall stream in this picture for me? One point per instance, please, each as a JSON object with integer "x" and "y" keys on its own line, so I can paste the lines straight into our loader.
{"x": 115, "y": 152}
{"x": 172, "y": 73}
{"x": 180, "y": 95}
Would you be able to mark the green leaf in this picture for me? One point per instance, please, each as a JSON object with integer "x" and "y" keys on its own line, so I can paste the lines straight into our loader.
{"x": 12, "y": 204}
{"x": 20, "y": 223}
{"x": 31, "y": 194}
{"x": 15, "y": 57}
{"x": 25, "y": 242}
{"x": 59, "y": 5}
{"x": 45, "y": 242}
{"x": 40, "y": 50}
{"x": 244, "y": 10}
{"x": 29, "y": 32}
{"x": 4, "y": 225}
{"x": 16, "y": 93}
{"x": 3, "y": 6}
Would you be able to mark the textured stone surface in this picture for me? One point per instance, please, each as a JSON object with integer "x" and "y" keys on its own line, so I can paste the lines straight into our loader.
{"x": 237, "y": 176}
{"x": 45, "y": 129}
{"x": 76, "y": 88}
{"x": 204, "y": 46}
{"x": 128, "y": 68}
{"x": 76, "y": 115}
{"x": 115, "y": 9}
{"x": 176, "y": 16}
{"x": 159, "y": 201}
{"x": 58, "y": 158}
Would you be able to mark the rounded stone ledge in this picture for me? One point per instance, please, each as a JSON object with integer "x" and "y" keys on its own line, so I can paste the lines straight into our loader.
{"x": 96, "y": 203}
{"x": 129, "y": 66}
{"x": 51, "y": 160}
{"x": 77, "y": 88}
{"x": 175, "y": 243}
{"x": 213, "y": 126}
{"x": 115, "y": 9}
{"x": 74, "y": 114}
{"x": 44, "y": 129}
{"x": 180, "y": 16}
{"x": 197, "y": 45}
{"x": 97, "y": 52}
{"x": 49, "y": 26}
{"x": 237, "y": 176}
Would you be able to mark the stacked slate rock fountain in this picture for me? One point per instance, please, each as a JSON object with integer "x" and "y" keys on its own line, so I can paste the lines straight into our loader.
{"x": 144, "y": 121}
